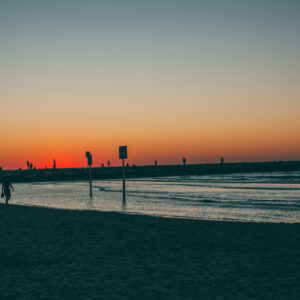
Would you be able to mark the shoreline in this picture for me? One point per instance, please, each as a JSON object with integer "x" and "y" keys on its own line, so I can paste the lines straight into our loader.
{"x": 144, "y": 214}
{"x": 75, "y": 174}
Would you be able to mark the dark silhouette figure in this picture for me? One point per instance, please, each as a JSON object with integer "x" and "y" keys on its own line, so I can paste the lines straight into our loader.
{"x": 28, "y": 164}
{"x": 31, "y": 165}
{"x": 222, "y": 160}
{"x": 6, "y": 186}
{"x": 184, "y": 161}
{"x": 54, "y": 164}
{"x": 102, "y": 165}
{"x": 108, "y": 163}
{"x": 155, "y": 163}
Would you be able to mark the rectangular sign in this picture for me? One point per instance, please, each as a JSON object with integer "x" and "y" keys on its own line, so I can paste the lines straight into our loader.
{"x": 123, "y": 152}
{"x": 89, "y": 158}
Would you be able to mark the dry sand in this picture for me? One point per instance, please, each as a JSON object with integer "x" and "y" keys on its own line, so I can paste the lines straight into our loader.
{"x": 61, "y": 254}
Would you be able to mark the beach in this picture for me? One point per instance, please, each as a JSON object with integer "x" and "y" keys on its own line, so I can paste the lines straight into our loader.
{"x": 65, "y": 254}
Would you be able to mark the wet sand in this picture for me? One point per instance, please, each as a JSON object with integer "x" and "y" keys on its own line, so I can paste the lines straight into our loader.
{"x": 64, "y": 254}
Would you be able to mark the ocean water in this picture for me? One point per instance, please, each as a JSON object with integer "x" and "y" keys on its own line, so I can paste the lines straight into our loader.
{"x": 258, "y": 197}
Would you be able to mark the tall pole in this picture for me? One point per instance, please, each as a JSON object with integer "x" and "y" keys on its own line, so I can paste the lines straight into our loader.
{"x": 89, "y": 157}
{"x": 123, "y": 156}
{"x": 91, "y": 190}
{"x": 123, "y": 172}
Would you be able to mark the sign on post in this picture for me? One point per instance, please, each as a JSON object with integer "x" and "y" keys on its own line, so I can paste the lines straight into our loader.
{"x": 123, "y": 155}
{"x": 89, "y": 158}
{"x": 123, "y": 152}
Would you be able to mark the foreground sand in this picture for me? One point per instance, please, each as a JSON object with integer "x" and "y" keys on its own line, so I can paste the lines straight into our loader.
{"x": 58, "y": 254}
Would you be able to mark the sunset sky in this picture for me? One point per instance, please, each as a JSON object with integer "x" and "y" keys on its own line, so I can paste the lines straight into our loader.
{"x": 168, "y": 78}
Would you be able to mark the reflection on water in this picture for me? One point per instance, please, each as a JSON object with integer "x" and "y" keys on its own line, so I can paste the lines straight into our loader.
{"x": 89, "y": 203}
{"x": 261, "y": 197}
{"x": 123, "y": 206}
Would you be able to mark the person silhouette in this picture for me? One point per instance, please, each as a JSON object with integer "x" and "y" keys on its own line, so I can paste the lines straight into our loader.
{"x": 6, "y": 186}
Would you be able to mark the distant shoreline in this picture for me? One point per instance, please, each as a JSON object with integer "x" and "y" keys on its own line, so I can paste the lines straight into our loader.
{"x": 70, "y": 174}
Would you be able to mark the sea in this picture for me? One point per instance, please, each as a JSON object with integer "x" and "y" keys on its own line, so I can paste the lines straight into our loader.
{"x": 254, "y": 197}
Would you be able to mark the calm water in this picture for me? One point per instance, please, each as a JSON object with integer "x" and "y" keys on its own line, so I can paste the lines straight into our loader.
{"x": 261, "y": 197}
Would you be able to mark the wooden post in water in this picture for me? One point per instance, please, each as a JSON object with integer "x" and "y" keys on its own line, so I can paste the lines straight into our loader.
{"x": 124, "y": 187}
{"x": 123, "y": 156}
{"x": 91, "y": 187}
{"x": 90, "y": 162}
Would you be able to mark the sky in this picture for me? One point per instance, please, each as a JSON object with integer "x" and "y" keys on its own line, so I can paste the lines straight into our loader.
{"x": 169, "y": 79}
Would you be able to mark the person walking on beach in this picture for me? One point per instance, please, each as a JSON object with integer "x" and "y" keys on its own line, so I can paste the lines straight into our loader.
{"x": 6, "y": 186}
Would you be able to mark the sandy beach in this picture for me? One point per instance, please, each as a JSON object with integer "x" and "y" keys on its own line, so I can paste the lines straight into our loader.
{"x": 64, "y": 254}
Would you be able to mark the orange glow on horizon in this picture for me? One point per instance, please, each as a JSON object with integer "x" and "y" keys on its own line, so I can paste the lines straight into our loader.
{"x": 244, "y": 145}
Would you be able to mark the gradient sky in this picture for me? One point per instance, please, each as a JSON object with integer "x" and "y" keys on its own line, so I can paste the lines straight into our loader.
{"x": 168, "y": 78}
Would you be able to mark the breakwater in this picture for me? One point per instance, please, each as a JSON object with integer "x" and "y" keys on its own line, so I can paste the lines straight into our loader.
{"x": 148, "y": 171}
